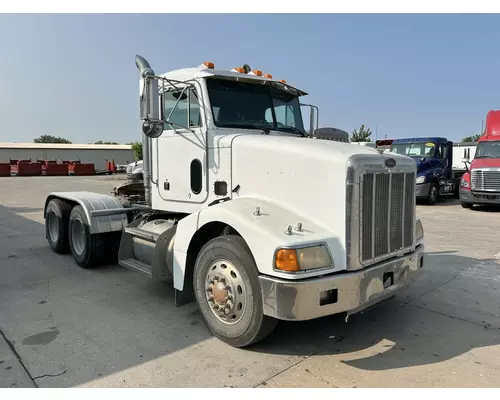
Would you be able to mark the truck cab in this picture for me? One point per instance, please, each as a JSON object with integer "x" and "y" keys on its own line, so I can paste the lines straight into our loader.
{"x": 434, "y": 159}
{"x": 481, "y": 183}
{"x": 244, "y": 213}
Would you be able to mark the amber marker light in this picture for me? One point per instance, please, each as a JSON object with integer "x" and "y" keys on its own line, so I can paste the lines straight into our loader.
{"x": 286, "y": 260}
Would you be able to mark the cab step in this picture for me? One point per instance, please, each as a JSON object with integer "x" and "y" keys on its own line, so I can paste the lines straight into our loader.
{"x": 143, "y": 234}
{"x": 136, "y": 265}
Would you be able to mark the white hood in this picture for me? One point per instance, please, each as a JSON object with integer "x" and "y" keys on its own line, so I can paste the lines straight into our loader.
{"x": 305, "y": 175}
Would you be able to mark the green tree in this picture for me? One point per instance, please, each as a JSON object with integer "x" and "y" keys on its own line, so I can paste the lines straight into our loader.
{"x": 361, "y": 135}
{"x": 137, "y": 149}
{"x": 473, "y": 138}
{"x": 51, "y": 139}
{"x": 101, "y": 142}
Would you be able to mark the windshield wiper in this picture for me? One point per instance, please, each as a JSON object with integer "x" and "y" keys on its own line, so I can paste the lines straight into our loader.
{"x": 292, "y": 129}
{"x": 241, "y": 125}
{"x": 483, "y": 156}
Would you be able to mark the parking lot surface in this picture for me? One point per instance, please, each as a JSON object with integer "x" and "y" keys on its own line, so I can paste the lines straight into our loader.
{"x": 62, "y": 326}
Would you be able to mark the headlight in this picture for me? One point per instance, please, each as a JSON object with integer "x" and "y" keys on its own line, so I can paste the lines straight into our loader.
{"x": 420, "y": 179}
{"x": 419, "y": 230}
{"x": 464, "y": 183}
{"x": 302, "y": 259}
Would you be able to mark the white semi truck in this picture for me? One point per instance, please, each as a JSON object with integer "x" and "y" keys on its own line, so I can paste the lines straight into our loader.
{"x": 245, "y": 214}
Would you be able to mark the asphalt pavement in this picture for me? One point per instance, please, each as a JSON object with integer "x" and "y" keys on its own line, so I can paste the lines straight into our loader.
{"x": 62, "y": 326}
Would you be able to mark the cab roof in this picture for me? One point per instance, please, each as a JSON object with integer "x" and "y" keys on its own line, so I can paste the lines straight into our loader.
{"x": 492, "y": 128}
{"x": 421, "y": 140}
{"x": 202, "y": 71}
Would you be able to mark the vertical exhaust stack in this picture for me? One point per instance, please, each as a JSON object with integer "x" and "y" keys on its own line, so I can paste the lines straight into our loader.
{"x": 149, "y": 111}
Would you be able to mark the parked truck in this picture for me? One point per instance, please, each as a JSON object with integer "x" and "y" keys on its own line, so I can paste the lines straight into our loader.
{"x": 481, "y": 182}
{"x": 436, "y": 175}
{"x": 243, "y": 213}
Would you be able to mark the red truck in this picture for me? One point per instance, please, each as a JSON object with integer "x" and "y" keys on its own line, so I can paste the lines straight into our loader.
{"x": 480, "y": 184}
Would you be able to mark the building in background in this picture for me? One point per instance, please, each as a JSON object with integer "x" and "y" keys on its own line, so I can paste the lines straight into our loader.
{"x": 335, "y": 134}
{"x": 97, "y": 154}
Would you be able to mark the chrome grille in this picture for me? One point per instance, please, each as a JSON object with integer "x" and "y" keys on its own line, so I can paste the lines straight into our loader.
{"x": 387, "y": 214}
{"x": 486, "y": 180}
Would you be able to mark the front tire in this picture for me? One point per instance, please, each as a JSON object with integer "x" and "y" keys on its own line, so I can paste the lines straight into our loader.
{"x": 433, "y": 196}
{"x": 466, "y": 205}
{"x": 228, "y": 292}
{"x": 88, "y": 250}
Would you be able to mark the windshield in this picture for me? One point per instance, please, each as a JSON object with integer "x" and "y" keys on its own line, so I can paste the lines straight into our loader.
{"x": 488, "y": 150}
{"x": 421, "y": 149}
{"x": 255, "y": 106}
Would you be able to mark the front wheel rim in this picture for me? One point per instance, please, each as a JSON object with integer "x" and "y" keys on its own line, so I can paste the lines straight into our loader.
{"x": 433, "y": 193}
{"x": 226, "y": 293}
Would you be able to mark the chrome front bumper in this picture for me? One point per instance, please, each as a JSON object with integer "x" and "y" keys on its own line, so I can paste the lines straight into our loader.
{"x": 422, "y": 189}
{"x": 467, "y": 196}
{"x": 349, "y": 292}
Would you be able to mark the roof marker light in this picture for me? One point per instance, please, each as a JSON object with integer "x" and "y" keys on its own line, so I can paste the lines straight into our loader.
{"x": 269, "y": 76}
{"x": 282, "y": 81}
{"x": 238, "y": 69}
{"x": 209, "y": 65}
{"x": 255, "y": 72}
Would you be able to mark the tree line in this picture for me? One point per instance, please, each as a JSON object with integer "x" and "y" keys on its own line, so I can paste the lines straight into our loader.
{"x": 361, "y": 134}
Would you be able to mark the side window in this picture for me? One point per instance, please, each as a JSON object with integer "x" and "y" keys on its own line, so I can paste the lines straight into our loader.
{"x": 284, "y": 115}
{"x": 194, "y": 109}
{"x": 178, "y": 111}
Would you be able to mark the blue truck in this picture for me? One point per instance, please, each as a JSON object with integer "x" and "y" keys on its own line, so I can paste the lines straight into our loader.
{"x": 436, "y": 176}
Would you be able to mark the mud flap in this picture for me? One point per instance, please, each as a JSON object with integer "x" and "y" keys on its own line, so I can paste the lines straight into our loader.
{"x": 185, "y": 296}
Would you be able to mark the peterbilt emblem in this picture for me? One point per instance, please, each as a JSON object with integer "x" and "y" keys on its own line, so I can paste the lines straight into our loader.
{"x": 390, "y": 162}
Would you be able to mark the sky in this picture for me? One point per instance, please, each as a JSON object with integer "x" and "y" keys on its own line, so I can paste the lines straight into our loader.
{"x": 74, "y": 76}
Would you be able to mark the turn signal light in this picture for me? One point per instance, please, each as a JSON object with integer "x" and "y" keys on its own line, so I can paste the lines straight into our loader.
{"x": 286, "y": 260}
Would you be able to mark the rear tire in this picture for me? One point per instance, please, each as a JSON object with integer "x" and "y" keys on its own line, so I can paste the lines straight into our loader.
{"x": 56, "y": 225}
{"x": 88, "y": 250}
{"x": 226, "y": 271}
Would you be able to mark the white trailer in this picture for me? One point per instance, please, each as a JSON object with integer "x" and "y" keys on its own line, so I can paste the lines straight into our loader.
{"x": 463, "y": 150}
{"x": 244, "y": 213}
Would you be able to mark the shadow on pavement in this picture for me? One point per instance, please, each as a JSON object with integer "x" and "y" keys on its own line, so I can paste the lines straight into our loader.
{"x": 25, "y": 209}
{"x": 486, "y": 208}
{"x": 72, "y": 326}
{"x": 397, "y": 333}
{"x": 442, "y": 202}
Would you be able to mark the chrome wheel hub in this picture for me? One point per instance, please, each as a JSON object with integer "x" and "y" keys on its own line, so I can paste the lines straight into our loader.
{"x": 78, "y": 236}
{"x": 225, "y": 292}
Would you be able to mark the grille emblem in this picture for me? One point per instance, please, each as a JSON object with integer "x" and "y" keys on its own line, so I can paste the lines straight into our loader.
{"x": 390, "y": 162}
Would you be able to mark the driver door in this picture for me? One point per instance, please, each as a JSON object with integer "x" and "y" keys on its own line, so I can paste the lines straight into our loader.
{"x": 182, "y": 155}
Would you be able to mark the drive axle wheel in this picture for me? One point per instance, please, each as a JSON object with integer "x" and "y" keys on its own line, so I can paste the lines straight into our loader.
{"x": 56, "y": 225}
{"x": 88, "y": 250}
{"x": 228, "y": 292}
